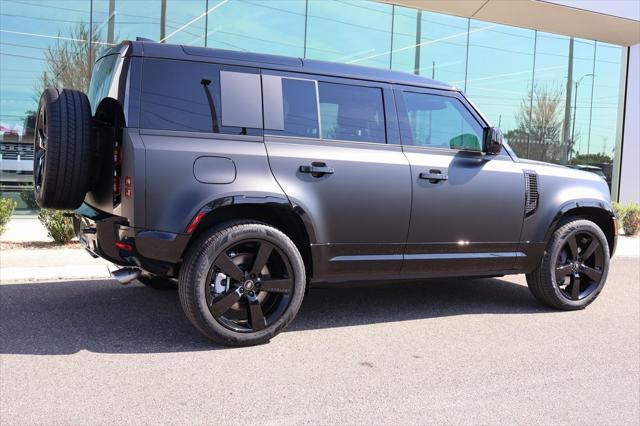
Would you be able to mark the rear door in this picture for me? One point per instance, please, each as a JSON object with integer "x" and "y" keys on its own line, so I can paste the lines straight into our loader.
{"x": 468, "y": 208}
{"x": 339, "y": 160}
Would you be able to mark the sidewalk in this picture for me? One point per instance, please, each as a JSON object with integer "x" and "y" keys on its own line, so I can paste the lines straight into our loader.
{"x": 38, "y": 261}
{"x": 34, "y": 263}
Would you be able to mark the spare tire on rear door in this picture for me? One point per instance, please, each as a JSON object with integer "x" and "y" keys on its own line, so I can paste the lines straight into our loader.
{"x": 62, "y": 149}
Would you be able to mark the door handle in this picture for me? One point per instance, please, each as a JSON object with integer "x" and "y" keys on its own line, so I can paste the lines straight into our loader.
{"x": 317, "y": 169}
{"x": 434, "y": 176}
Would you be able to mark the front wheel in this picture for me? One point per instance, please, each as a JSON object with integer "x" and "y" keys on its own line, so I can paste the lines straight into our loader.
{"x": 242, "y": 284}
{"x": 574, "y": 267}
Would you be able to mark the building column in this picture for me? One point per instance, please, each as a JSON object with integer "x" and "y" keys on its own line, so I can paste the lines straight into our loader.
{"x": 628, "y": 185}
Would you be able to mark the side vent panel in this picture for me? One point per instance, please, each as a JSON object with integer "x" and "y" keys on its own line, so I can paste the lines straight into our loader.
{"x": 531, "y": 190}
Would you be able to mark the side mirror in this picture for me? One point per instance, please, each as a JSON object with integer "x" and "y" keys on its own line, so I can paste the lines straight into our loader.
{"x": 492, "y": 140}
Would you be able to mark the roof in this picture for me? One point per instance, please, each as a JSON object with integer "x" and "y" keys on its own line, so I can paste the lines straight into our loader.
{"x": 275, "y": 62}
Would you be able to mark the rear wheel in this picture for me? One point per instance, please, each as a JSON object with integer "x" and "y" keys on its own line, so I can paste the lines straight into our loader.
{"x": 574, "y": 267}
{"x": 243, "y": 284}
{"x": 62, "y": 149}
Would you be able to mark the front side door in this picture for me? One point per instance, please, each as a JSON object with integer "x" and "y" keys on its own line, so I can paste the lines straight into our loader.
{"x": 468, "y": 208}
{"x": 338, "y": 159}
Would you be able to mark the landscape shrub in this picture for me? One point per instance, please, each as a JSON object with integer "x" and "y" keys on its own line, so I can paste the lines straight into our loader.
{"x": 6, "y": 210}
{"x": 618, "y": 209}
{"x": 29, "y": 197}
{"x": 58, "y": 225}
{"x": 631, "y": 219}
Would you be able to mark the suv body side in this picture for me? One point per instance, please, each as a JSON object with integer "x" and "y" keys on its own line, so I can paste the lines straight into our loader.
{"x": 360, "y": 208}
{"x": 467, "y": 220}
{"x": 172, "y": 175}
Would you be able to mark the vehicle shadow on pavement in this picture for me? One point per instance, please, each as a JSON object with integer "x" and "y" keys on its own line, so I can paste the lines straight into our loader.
{"x": 105, "y": 317}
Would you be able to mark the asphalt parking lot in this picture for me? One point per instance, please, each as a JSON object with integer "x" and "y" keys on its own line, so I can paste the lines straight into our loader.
{"x": 457, "y": 352}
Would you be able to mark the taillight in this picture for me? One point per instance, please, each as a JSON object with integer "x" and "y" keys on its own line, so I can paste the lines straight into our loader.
{"x": 124, "y": 246}
{"x": 117, "y": 156}
{"x": 117, "y": 174}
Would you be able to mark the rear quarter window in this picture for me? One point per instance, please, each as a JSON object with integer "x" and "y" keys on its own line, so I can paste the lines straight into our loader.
{"x": 186, "y": 96}
{"x": 101, "y": 79}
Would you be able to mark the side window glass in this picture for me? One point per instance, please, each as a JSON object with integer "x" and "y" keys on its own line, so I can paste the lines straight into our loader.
{"x": 352, "y": 113}
{"x": 441, "y": 122}
{"x": 101, "y": 80}
{"x": 299, "y": 108}
{"x": 186, "y": 96}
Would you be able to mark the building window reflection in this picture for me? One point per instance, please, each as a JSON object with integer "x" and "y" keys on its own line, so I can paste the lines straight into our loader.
{"x": 556, "y": 98}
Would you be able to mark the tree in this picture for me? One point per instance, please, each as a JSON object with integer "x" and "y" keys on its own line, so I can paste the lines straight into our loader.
{"x": 70, "y": 60}
{"x": 600, "y": 158}
{"x": 540, "y": 125}
{"x": 541, "y": 119}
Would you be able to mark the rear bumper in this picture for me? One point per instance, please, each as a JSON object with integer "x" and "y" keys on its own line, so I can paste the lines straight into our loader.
{"x": 111, "y": 238}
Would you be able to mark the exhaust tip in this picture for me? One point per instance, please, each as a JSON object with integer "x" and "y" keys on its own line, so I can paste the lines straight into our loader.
{"x": 125, "y": 275}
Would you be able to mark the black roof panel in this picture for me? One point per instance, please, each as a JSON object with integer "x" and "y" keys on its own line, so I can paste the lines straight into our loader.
{"x": 285, "y": 63}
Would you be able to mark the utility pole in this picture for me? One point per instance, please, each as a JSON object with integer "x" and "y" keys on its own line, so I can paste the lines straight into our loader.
{"x": 163, "y": 19}
{"x": 567, "y": 109}
{"x": 111, "y": 18}
{"x": 416, "y": 65}
{"x": 575, "y": 107}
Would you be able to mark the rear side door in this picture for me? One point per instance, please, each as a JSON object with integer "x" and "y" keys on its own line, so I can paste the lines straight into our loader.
{"x": 333, "y": 147}
{"x": 468, "y": 207}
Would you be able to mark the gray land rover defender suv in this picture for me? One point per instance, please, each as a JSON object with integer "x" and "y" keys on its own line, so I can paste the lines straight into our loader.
{"x": 245, "y": 178}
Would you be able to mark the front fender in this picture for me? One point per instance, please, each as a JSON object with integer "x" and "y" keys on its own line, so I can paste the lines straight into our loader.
{"x": 573, "y": 205}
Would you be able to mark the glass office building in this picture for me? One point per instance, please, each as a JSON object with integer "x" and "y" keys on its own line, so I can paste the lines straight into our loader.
{"x": 556, "y": 98}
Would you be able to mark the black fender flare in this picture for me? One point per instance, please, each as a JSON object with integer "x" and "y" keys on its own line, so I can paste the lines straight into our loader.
{"x": 578, "y": 204}
{"x": 273, "y": 200}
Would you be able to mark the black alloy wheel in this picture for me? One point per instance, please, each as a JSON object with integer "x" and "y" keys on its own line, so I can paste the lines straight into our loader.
{"x": 242, "y": 282}
{"x": 573, "y": 269}
{"x": 40, "y": 148}
{"x": 250, "y": 286}
{"x": 580, "y": 264}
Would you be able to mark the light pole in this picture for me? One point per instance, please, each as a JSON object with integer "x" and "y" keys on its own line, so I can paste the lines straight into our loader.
{"x": 575, "y": 108}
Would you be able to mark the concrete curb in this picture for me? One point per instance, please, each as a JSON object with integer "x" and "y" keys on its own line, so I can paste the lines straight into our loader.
{"x": 49, "y": 273}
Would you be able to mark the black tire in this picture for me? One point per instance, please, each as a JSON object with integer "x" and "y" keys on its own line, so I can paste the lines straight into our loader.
{"x": 578, "y": 252}
{"x": 216, "y": 299}
{"x": 159, "y": 283}
{"x": 62, "y": 149}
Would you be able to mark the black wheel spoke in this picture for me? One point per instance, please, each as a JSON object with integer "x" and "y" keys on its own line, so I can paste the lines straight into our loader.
{"x": 39, "y": 162}
{"x": 590, "y": 250}
{"x": 277, "y": 286}
{"x": 583, "y": 260}
{"x": 229, "y": 268}
{"x": 260, "y": 292}
{"x": 221, "y": 304}
{"x": 592, "y": 273}
{"x": 261, "y": 257}
{"x": 563, "y": 271}
{"x": 573, "y": 246}
{"x": 575, "y": 287}
{"x": 256, "y": 315}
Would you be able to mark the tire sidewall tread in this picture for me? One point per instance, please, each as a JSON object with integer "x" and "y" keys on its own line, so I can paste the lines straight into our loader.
{"x": 68, "y": 161}
{"x": 195, "y": 270}
{"x": 542, "y": 282}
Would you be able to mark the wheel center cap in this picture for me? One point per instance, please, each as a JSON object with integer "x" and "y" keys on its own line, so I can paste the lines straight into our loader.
{"x": 249, "y": 285}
